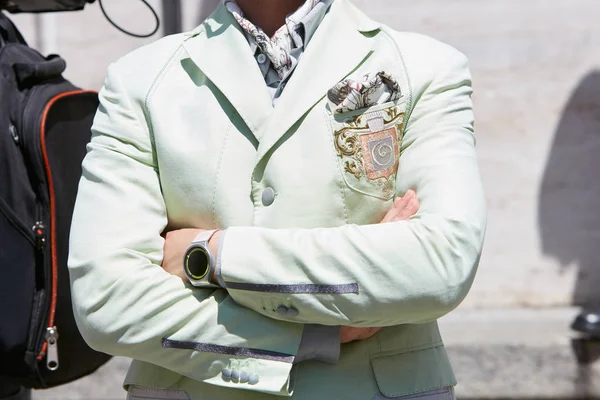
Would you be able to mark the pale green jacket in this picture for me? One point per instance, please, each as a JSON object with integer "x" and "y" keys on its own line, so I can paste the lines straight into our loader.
{"x": 186, "y": 136}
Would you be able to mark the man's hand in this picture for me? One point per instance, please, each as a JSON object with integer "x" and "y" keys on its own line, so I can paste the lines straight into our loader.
{"x": 349, "y": 334}
{"x": 403, "y": 208}
{"x": 176, "y": 245}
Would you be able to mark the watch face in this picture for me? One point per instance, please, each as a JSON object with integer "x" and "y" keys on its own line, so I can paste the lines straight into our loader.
{"x": 197, "y": 263}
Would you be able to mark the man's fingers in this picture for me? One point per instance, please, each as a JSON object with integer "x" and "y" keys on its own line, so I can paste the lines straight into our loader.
{"x": 346, "y": 334}
{"x": 391, "y": 214}
{"x": 408, "y": 196}
{"x": 367, "y": 333}
{"x": 411, "y": 209}
{"x": 398, "y": 210}
{"x": 394, "y": 210}
{"x": 350, "y": 334}
{"x": 402, "y": 202}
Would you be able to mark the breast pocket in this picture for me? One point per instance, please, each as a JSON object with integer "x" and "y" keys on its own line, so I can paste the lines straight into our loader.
{"x": 367, "y": 143}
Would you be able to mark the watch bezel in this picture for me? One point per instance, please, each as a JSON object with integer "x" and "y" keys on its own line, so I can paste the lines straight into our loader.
{"x": 194, "y": 247}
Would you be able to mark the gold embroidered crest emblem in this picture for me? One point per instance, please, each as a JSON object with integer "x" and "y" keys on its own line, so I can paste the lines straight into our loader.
{"x": 380, "y": 151}
{"x": 369, "y": 148}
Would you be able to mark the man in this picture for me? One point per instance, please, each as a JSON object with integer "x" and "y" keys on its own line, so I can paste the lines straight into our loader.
{"x": 282, "y": 132}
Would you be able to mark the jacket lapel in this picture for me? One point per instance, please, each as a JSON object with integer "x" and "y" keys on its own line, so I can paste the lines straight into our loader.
{"x": 221, "y": 52}
{"x": 336, "y": 50}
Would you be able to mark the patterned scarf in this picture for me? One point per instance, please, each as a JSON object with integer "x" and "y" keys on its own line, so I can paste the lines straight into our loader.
{"x": 280, "y": 46}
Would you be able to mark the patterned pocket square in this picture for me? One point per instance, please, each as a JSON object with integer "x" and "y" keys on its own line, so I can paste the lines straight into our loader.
{"x": 372, "y": 89}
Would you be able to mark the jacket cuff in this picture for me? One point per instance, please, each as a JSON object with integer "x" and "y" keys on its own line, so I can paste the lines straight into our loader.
{"x": 218, "y": 276}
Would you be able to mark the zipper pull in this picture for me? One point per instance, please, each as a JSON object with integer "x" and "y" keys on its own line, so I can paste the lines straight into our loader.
{"x": 52, "y": 353}
{"x": 39, "y": 231}
{"x": 13, "y": 133}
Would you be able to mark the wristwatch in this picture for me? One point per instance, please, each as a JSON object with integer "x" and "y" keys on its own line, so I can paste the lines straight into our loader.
{"x": 199, "y": 263}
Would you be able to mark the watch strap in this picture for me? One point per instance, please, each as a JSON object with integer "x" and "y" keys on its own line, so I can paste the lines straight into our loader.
{"x": 204, "y": 236}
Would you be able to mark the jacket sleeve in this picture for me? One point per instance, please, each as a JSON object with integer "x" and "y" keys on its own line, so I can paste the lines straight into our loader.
{"x": 386, "y": 274}
{"x": 124, "y": 303}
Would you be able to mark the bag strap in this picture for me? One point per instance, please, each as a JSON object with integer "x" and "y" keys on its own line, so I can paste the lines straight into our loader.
{"x": 9, "y": 32}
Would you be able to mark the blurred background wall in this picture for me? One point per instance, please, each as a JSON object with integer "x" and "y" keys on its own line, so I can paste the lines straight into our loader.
{"x": 536, "y": 71}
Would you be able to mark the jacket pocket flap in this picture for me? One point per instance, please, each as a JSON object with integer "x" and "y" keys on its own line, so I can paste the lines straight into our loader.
{"x": 412, "y": 372}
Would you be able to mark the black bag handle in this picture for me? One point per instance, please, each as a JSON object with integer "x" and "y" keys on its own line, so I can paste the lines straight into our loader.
{"x": 9, "y": 32}
{"x": 30, "y": 73}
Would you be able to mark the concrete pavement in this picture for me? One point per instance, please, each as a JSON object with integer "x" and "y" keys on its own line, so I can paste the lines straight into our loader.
{"x": 519, "y": 354}
{"x": 104, "y": 384}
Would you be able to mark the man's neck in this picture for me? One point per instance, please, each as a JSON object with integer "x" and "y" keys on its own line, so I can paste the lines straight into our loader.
{"x": 269, "y": 15}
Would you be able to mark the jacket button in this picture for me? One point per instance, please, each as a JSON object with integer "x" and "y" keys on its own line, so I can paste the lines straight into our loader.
{"x": 282, "y": 310}
{"x": 226, "y": 374}
{"x": 261, "y": 58}
{"x": 292, "y": 312}
{"x": 253, "y": 379}
{"x": 235, "y": 375}
{"x": 244, "y": 376}
{"x": 268, "y": 196}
